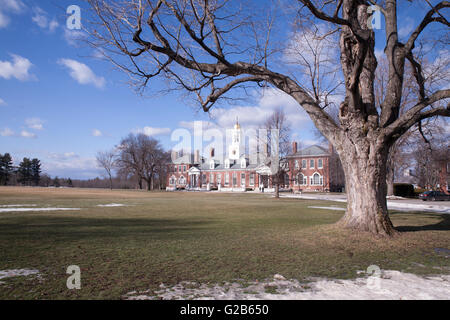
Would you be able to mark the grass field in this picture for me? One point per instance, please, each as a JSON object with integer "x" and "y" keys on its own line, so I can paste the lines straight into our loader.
{"x": 203, "y": 237}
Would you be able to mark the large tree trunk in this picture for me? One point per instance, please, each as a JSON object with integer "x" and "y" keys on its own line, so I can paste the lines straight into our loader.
{"x": 365, "y": 177}
{"x": 390, "y": 182}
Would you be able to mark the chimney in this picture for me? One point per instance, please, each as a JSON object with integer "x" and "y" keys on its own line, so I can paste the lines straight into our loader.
{"x": 174, "y": 155}
{"x": 266, "y": 149}
{"x": 197, "y": 156}
{"x": 330, "y": 148}
{"x": 294, "y": 147}
{"x": 211, "y": 153}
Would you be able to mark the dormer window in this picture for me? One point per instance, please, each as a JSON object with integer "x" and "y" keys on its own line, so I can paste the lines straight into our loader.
{"x": 243, "y": 163}
{"x": 212, "y": 165}
{"x": 227, "y": 164}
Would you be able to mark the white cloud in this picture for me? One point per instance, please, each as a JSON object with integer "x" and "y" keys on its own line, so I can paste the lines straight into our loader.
{"x": 74, "y": 37}
{"x": 82, "y": 73}
{"x": 4, "y": 20}
{"x": 69, "y": 161}
{"x": 63, "y": 156}
{"x": 406, "y": 27}
{"x": 13, "y": 6}
{"x": 2, "y": 102}
{"x": 19, "y": 68}
{"x": 34, "y": 123}
{"x": 97, "y": 133}
{"x": 254, "y": 116}
{"x": 150, "y": 131}
{"x": 6, "y": 132}
{"x": 41, "y": 18}
{"x": 27, "y": 134}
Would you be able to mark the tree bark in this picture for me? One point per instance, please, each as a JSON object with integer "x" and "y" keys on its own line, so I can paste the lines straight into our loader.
{"x": 365, "y": 177}
{"x": 390, "y": 180}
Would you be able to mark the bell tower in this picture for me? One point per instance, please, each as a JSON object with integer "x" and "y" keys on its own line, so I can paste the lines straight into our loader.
{"x": 234, "y": 151}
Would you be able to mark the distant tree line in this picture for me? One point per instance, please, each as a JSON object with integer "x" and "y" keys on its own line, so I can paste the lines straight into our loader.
{"x": 27, "y": 173}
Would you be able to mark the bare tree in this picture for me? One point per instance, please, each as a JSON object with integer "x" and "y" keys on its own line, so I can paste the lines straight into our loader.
{"x": 278, "y": 121}
{"x": 210, "y": 48}
{"x": 129, "y": 160}
{"x": 107, "y": 160}
{"x": 141, "y": 156}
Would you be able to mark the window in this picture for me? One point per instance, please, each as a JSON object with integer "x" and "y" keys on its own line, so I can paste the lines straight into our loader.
{"x": 311, "y": 163}
{"x": 296, "y": 164}
{"x": 182, "y": 180}
{"x": 219, "y": 178}
{"x": 211, "y": 178}
{"x": 286, "y": 180}
{"x": 172, "y": 180}
{"x": 227, "y": 163}
{"x": 320, "y": 163}
{"x": 316, "y": 179}
{"x": 243, "y": 163}
{"x": 212, "y": 164}
{"x": 184, "y": 168}
{"x": 302, "y": 180}
{"x": 243, "y": 179}
{"x": 227, "y": 179}
{"x": 234, "y": 179}
{"x": 303, "y": 164}
{"x": 203, "y": 178}
{"x": 252, "y": 179}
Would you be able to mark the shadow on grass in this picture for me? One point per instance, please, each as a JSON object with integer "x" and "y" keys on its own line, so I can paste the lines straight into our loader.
{"x": 75, "y": 228}
{"x": 442, "y": 225}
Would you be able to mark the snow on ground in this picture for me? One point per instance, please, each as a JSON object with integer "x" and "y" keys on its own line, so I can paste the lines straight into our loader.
{"x": 36, "y": 209}
{"x": 17, "y": 273}
{"x": 112, "y": 205}
{"x": 327, "y": 208}
{"x": 391, "y": 285}
{"x": 401, "y": 205}
{"x": 16, "y": 205}
{"x": 395, "y": 198}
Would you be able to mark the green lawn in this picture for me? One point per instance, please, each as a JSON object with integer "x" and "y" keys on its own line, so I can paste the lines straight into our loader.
{"x": 202, "y": 237}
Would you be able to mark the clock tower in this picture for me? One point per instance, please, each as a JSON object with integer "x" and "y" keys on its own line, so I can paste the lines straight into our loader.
{"x": 234, "y": 151}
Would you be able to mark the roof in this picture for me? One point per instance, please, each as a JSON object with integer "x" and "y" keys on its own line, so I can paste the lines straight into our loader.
{"x": 311, "y": 151}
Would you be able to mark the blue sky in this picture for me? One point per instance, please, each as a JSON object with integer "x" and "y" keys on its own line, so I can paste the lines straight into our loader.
{"x": 60, "y": 104}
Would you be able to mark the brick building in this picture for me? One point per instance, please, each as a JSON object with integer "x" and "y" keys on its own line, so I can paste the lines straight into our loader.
{"x": 315, "y": 169}
{"x": 307, "y": 170}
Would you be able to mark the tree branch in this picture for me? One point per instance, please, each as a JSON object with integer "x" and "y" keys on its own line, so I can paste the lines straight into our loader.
{"x": 427, "y": 20}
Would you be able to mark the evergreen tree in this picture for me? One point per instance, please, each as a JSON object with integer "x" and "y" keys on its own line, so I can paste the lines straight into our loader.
{"x": 25, "y": 171}
{"x": 35, "y": 171}
{"x": 6, "y": 168}
{"x": 56, "y": 182}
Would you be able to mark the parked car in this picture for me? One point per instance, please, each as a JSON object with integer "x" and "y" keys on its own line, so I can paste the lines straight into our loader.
{"x": 433, "y": 196}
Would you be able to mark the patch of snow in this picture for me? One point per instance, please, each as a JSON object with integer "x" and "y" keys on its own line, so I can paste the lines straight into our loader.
{"x": 17, "y": 273}
{"x": 36, "y": 209}
{"x": 391, "y": 285}
{"x": 327, "y": 208}
{"x": 112, "y": 205}
{"x": 17, "y": 205}
{"x": 403, "y": 205}
{"x": 395, "y": 198}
